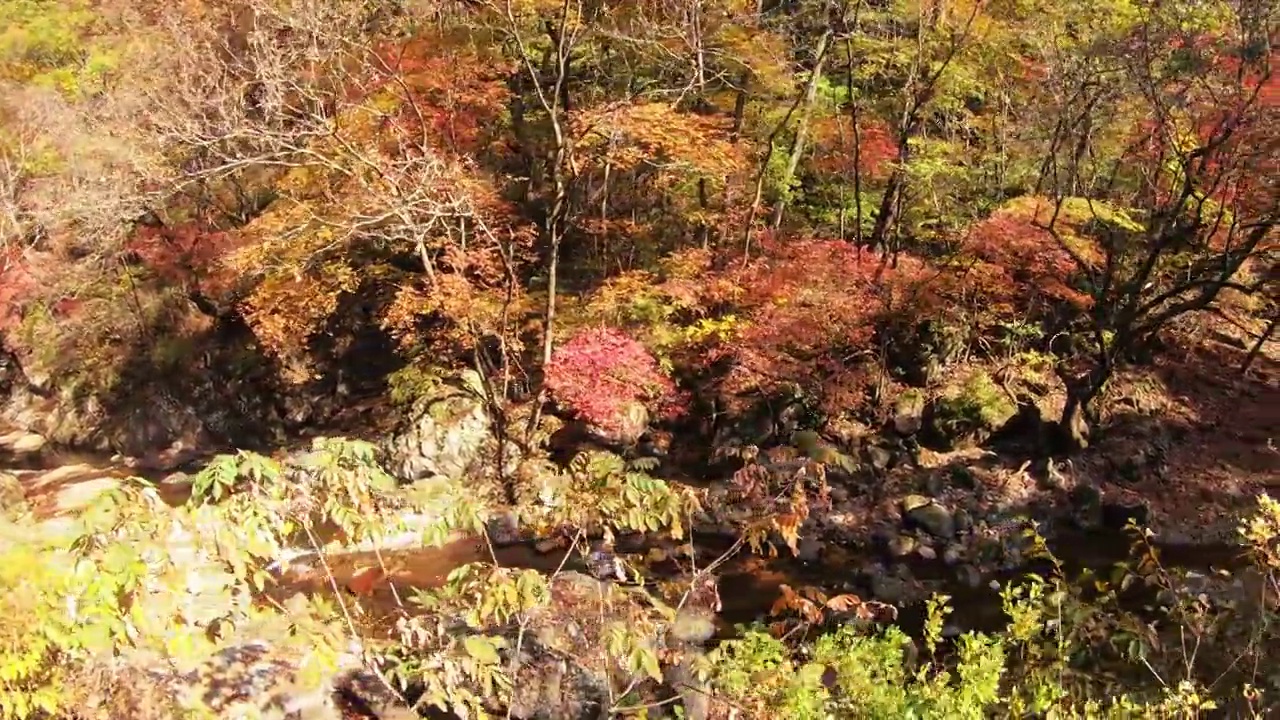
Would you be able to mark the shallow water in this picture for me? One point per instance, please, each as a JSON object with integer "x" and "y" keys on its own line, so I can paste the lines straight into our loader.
{"x": 749, "y": 584}
{"x": 59, "y": 482}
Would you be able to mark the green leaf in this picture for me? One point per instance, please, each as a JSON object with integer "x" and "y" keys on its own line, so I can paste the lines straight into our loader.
{"x": 648, "y": 661}
{"x": 482, "y": 649}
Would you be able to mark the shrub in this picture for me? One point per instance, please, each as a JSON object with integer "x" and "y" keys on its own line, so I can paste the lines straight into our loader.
{"x": 600, "y": 374}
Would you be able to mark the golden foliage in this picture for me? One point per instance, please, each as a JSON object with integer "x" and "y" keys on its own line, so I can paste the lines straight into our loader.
{"x": 285, "y": 311}
{"x": 628, "y": 135}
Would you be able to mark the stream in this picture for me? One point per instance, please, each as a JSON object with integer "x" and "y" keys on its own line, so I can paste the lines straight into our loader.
{"x": 58, "y": 483}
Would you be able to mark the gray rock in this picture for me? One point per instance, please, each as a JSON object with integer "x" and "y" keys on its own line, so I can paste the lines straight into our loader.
{"x": 953, "y": 554}
{"x": 877, "y": 457}
{"x": 810, "y": 549}
{"x": 632, "y": 424}
{"x": 548, "y": 545}
{"x": 934, "y": 484}
{"x": 1012, "y": 556}
{"x": 22, "y": 443}
{"x": 963, "y": 520}
{"x": 927, "y": 553}
{"x": 252, "y": 679}
{"x": 968, "y": 412}
{"x": 560, "y": 672}
{"x": 848, "y": 431}
{"x": 695, "y": 693}
{"x": 969, "y": 576}
{"x": 930, "y": 517}
{"x": 503, "y": 529}
{"x": 889, "y": 589}
{"x": 444, "y": 434}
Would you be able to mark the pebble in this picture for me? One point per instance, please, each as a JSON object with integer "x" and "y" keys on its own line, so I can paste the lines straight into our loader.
{"x": 953, "y": 554}
{"x": 902, "y": 545}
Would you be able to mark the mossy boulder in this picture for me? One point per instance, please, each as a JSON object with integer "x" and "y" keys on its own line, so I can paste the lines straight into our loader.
{"x": 968, "y": 412}
{"x": 908, "y": 412}
{"x": 444, "y": 433}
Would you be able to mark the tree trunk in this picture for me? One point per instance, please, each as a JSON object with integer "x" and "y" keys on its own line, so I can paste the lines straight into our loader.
{"x": 802, "y": 129}
{"x": 1073, "y": 427}
{"x": 1257, "y": 347}
{"x": 1077, "y": 414}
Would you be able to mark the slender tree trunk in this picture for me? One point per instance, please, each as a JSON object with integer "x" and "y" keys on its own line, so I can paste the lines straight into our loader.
{"x": 555, "y": 100}
{"x": 855, "y": 118}
{"x": 763, "y": 167}
{"x": 739, "y": 112}
{"x": 802, "y": 129}
{"x": 1257, "y": 346}
{"x": 889, "y": 204}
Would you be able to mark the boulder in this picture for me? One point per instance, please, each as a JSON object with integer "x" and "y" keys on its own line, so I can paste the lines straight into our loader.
{"x": 22, "y": 443}
{"x": 967, "y": 414}
{"x": 929, "y": 516}
{"x": 443, "y": 434}
{"x": 503, "y": 529}
{"x": 562, "y": 669}
{"x": 809, "y": 550}
{"x": 902, "y": 545}
{"x": 848, "y": 431}
{"x": 13, "y": 500}
{"x": 630, "y": 425}
{"x": 889, "y": 588}
{"x": 953, "y": 554}
{"x": 908, "y": 413}
{"x": 10, "y": 371}
{"x": 969, "y": 576}
{"x": 877, "y": 457}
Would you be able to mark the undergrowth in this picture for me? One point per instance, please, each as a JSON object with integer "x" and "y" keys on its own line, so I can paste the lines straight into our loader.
{"x": 141, "y": 579}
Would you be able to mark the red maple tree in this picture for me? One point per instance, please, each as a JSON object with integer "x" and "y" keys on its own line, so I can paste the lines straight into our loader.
{"x": 599, "y": 372}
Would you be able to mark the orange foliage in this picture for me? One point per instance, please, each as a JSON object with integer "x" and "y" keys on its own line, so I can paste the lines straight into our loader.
{"x": 624, "y": 135}
{"x": 284, "y": 311}
{"x": 1025, "y": 262}
{"x": 16, "y": 285}
{"x": 875, "y": 145}
{"x": 187, "y": 253}
{"x": 460, "y": 96}
{"x": 813, "y": 310}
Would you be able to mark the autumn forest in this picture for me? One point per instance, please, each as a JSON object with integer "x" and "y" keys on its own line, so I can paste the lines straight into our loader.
{"x": 732, "y": 359}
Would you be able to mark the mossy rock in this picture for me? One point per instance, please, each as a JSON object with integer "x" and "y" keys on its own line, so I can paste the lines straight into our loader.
{"x": 13, "y": 501}
{"x": 912, "y": 502}
{"x": 443, "y": 433}
{"x": 968, "y": 413}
